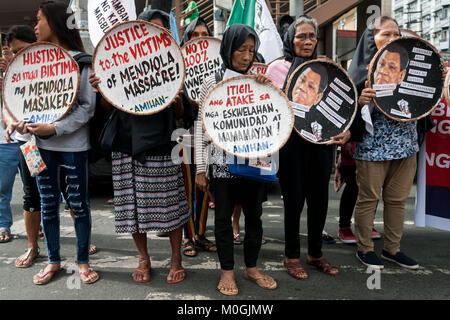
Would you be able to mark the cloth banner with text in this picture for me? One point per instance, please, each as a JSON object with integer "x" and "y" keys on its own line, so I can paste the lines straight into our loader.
{"x": 104, "y": 14}
{"x": 433, "y": 173}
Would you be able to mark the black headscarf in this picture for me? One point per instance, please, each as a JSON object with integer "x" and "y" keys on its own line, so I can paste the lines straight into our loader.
{"x": 191, "y": 27}
{"x": 154, "y": 13}
{"x": 289, "y": 53}
{"x": 364, "y": 53}
{"x": 233, "y": 38}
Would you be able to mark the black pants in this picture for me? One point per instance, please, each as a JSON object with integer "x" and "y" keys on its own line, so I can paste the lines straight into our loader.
{"x": 349, "y": 196}
{"x": 249, "y": 194}
{"x": 31, "y": 197}
{"x": 304, "y": 174}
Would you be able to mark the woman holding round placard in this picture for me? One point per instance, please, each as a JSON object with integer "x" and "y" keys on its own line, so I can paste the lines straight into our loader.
{"x": 64, "y": 143}
{"x": 194, "y": 229}
{"x": 149, "y": 193}
{"x": 385, "y": 159}
{"x": 305, "y": 168}
{"x": 239, "y": 46}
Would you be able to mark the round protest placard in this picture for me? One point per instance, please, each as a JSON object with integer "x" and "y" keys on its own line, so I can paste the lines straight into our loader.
{"x": 407, "y": 76}
{"x": 259, "y": 68}
{"x": 140, "y": 66}
{"x": 324, "y": 99}
{"x": 447, "y": 88}
{"x": 41, "y": 83}
{"x": 247, "y": 119}
{"x": 202, "y": 59}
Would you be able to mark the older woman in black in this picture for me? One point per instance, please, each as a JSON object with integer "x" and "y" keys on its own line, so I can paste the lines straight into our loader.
{"x": 305, "y": 168}
{"x": 239, "y": 46}
{"x": 149, "y": 192}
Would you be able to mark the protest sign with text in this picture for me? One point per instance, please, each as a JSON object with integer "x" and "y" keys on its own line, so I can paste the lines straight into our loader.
{"x": 140, "y": 66}
{"x": 407, "y": 77}
{"x": 104, "y": 14}
{"x": 433, "y": 173}
{"x": 41, "y": 83}
{"x": 202, "y": 59}
{"x": 259, "y": 68}
{"x": 324, "y": 100}
{"x": 247, "y": 119}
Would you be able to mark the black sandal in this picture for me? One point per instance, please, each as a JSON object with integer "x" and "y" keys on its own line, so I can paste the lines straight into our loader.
{"x": 189, "y": 249}
{"x": 205, "y": 244}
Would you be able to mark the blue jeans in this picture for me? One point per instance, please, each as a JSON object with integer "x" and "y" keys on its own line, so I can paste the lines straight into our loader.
{"x": 9, "y": 161}
{"x": 74, "y": 168}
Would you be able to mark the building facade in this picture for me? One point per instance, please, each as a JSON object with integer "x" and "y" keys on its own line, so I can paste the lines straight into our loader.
{"x": 428, "y": 18}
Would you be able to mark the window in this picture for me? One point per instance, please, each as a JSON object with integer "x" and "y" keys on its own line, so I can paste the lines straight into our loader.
{"x": 444, "y": 35}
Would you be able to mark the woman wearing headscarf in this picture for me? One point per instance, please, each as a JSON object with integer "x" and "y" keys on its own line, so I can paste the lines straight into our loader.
{"x": 194, "y": 229}
{"x": 305, "y": 167}
{"x": 149, "y": 192}
{"x": 385, "y": 157}
{"x": 238, "y": 49}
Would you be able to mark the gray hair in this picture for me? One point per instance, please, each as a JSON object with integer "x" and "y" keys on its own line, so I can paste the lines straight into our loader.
{"x": 308, "y": 19}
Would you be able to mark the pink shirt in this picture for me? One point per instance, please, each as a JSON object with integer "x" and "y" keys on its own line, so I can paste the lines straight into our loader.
{"x": 277, "y": 71}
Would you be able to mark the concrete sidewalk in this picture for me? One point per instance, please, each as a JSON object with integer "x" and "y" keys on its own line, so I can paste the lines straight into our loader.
{"x": 117, "y": 258}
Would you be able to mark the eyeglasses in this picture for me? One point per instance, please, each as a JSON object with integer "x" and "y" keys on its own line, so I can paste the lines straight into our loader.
{"x": 303, "y": 36}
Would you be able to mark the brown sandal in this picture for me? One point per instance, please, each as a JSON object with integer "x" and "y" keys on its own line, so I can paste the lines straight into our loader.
{"x": 227, "y": 284}
{"x": 296, "y": 270}
{"x": 189, "y": 248}
{"x": 264, "y": 281}
{"x": 323, "y": 265}
{"x": 203, "y": 243}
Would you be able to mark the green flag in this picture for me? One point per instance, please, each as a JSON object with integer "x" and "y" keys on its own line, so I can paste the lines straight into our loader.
{"x": 243, "y": 12}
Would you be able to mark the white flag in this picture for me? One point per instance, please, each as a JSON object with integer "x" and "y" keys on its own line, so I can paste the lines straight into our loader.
{"x": 271, "y": 44}
{"x": 104, "y": 14}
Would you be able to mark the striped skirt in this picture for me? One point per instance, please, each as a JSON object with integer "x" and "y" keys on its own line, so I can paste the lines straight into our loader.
{"x": 149, "y": 196}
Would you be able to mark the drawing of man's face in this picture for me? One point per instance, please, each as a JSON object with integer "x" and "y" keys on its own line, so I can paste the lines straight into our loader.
{"x": 389, "y": 69}
{"x": 306, "y": 90}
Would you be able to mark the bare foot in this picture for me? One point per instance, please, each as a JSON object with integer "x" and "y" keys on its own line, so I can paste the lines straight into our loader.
{"x": 227, "y": 284}
{"x": 44, "y": 276}
{"x": 142, "y": 273}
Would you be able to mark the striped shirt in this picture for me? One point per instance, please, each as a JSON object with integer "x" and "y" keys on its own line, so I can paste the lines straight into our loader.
{"x": 205, "y": 152}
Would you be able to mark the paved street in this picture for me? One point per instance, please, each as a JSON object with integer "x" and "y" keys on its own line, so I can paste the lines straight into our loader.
{"x": 117, "y": 258}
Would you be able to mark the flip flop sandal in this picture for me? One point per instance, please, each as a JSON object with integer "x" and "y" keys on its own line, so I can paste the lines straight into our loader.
{"x": 40, "y": 278}
{"x": 173, "y": 273}
{"x": 86, "y": 274}
{"x": 142, "y": 272}
{"x": 262, "y": 281}
{"x": 206, "y": 244}
{"x": 25, "y": 257}
{"x": 5, "y": 233}
{"x": 237, "y": 239}
{"x": 323, "y": 265}
{"x": 295, "y": 269}
{"x": 189, "y": 249}
{"x": 228, "y": 284}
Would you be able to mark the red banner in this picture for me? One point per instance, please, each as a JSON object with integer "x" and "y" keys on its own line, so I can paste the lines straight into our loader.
{"x": 438, "y": 148}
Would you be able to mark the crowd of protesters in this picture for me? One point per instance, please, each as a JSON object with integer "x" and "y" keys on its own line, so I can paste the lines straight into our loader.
{"x": 153, "y": 193}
